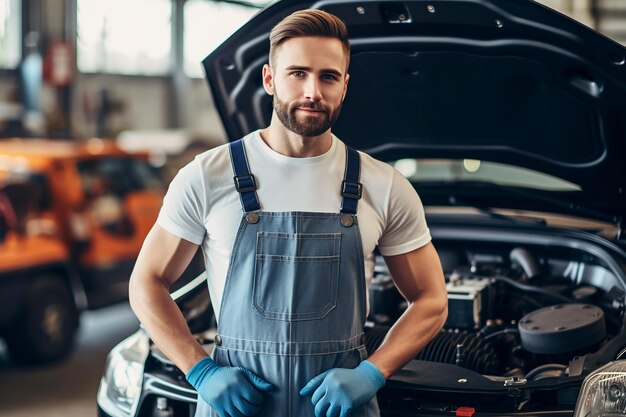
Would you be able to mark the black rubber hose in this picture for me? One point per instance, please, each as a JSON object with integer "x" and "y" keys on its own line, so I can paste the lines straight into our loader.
{"x": 530, "y": 288}
{"x": 547, "y": 367}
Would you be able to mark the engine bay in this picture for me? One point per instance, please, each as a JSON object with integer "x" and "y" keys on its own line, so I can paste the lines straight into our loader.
{"x": 514, "y": 311}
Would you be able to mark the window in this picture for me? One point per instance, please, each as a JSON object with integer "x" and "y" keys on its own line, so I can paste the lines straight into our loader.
{"x": 207, "y": 25}
{"x": 124, "y": 36}
{"x": 10, "y": 33}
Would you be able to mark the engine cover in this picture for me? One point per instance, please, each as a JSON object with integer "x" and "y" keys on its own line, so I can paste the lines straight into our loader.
{"x": 562, "y": 328}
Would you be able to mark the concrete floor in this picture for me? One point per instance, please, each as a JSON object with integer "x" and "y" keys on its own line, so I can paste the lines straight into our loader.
{"x": 67, "y": 389}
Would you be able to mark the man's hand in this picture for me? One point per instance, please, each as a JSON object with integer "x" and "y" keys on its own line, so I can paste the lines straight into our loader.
{"x": 338, "y": 391}
{"x": 232, "y": 392}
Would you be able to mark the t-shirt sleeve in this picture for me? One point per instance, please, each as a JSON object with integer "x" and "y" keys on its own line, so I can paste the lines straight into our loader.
{"x": 406, "y": 228}
{"x": 182, "y": 212}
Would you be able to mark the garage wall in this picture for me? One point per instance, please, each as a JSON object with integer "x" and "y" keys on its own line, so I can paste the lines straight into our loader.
{"x": 144, "y": 103}
{"x": 203, "y": 120}
{"x": 139, "y": 102}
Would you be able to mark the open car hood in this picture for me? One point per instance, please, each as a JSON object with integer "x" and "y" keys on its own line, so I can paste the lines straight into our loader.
{"x": 508, "y": 81}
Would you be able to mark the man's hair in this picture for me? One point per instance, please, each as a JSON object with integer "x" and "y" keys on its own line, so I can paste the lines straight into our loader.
{"x": 309, "y": 23}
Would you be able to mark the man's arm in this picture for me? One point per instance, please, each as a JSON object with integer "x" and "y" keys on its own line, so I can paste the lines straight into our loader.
{"x": 163, "y": 258}
{"x": 161, "y": 261}
{"x": 419, "y": 278}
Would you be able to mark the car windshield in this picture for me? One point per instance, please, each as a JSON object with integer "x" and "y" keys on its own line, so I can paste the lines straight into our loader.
{"x": 454, "y": 170}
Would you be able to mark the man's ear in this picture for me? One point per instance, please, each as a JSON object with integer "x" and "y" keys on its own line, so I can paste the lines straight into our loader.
{"x": 345, "y": 87}
{"x": 268, "y": 79}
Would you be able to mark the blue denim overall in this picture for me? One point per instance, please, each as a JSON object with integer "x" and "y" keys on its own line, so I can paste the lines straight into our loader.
{"x": 294, "y": 300}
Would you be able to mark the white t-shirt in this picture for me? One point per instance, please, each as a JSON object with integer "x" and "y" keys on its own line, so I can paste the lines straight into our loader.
{"x": 203, "y": 207}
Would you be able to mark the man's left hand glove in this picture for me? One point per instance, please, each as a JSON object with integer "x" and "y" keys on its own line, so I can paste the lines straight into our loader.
{"x": 338, "y": 391}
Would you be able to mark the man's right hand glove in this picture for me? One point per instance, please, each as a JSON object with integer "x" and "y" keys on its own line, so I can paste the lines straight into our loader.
{"x": 231, "y": 391}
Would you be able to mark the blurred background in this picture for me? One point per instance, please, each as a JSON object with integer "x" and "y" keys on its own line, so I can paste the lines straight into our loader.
{"x": 116, "y": 91}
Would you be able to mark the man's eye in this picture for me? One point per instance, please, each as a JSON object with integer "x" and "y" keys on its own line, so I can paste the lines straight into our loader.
{"x": 298, "y": 74}
{"x": 329, "y": 77}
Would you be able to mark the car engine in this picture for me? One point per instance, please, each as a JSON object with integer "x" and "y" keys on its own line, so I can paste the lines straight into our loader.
{"x": 512, "y": 312}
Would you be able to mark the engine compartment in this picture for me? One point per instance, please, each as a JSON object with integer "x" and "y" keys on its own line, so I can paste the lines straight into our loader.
{"x": 514, "y": 310}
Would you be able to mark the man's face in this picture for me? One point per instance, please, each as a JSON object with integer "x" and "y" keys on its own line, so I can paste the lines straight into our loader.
{"x": 308, "y": 80}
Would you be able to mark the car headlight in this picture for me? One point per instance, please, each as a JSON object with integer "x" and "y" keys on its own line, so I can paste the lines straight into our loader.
{"x": 121, "y": 383}
{"x": 603, "y": 392}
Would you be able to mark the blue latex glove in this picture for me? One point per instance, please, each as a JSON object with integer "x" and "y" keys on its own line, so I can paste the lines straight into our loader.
{"x": 231, "y": 391}
{"x": 338, "y": 391}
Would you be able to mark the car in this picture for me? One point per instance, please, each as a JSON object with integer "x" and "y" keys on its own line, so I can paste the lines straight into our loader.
{"x": 73, "y": 216}
{"x": 510, "y": 121}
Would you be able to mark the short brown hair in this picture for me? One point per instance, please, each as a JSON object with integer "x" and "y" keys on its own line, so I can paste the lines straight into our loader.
{"x": 309, "y": 22}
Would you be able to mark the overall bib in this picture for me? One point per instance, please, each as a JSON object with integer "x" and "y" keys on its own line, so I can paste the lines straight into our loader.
{"x": 294, "y": 302}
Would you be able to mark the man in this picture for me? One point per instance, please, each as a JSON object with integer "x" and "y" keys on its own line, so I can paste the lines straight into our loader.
{"x": 288, "y": 259}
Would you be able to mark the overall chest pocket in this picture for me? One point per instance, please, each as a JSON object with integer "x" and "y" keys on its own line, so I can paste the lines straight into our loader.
{"x": 296, "y": 275}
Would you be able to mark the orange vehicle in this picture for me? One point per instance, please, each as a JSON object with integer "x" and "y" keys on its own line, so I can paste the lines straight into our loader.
{"x": 73, "y": 216}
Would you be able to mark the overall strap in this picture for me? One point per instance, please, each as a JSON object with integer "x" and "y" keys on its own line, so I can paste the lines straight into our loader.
{"x": 245, "y": 182}
{"x": 351, "y": 188}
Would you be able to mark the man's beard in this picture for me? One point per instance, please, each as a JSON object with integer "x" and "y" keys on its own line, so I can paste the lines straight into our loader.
{"x": 311, "y": 125}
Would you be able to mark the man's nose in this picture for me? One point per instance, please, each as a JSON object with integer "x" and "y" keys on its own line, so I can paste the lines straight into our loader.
{"x": 312, "y": 89}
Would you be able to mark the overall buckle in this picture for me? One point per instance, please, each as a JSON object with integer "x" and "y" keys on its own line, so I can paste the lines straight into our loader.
{"x": 245, "y": 183}
{"x": 352, "y": 190}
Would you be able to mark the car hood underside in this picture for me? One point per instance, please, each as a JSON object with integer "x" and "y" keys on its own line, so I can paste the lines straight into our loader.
{"x": 508, "y": 81}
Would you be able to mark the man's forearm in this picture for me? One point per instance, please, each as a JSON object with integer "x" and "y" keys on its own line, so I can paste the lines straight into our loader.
{"x": 165, "y": 323}
{"x": 421, "y": 321}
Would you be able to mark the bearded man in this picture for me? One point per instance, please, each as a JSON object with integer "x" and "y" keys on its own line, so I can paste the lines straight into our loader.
{"x": 288, "y": 259}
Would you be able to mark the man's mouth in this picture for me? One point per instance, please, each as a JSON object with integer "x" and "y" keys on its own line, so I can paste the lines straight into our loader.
{"x": 309, "y": 110}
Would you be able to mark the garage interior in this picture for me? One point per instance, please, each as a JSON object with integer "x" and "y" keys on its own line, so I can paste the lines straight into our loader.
{"x": 128, "y": 70}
